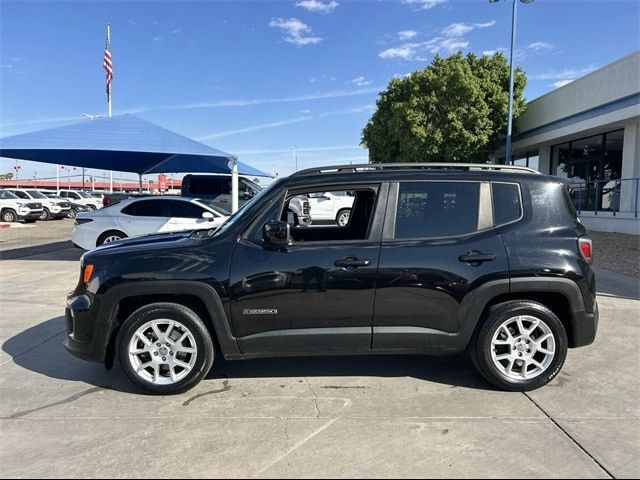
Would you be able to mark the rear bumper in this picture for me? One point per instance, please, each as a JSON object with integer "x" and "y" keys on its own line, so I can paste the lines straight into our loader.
{"x": 585, "y": 327}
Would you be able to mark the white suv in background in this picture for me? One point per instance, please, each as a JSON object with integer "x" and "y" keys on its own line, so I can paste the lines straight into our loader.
{"x": 51, "y": 208}
{"x": 84, "y": 198}
{"x": 331, "y": 207}
{"x": 12, "y": 209}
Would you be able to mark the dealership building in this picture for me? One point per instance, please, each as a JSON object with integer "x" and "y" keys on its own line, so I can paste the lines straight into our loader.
{"x": 588, "y": 132}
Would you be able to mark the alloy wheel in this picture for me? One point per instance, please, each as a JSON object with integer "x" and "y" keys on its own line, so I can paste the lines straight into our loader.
{"x": 8, "y": 217}
{"x": 343, "y": 219}
{"x": 111, "y": 239}
{"x": 523, "y": 347}
{"x": 162, "y": 352}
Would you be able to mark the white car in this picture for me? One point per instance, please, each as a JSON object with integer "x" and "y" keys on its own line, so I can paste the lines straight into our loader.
{"x": 84, "y": 198}
{"x": 142, "y": 216}
{"x": 331, "y": 207}
{"x": 12, "y": 209}
{"x": 51, "y": 208}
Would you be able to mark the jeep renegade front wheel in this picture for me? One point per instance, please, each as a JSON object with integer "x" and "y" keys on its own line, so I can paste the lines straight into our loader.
{"x": 521, "y": 346}
{"x": 165, "y": 348}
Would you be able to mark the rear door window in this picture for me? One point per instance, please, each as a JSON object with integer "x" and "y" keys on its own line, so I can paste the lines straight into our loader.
{"x": 148, "y": 208}
{"x": 181, "y": 209}
{"x": 437, "y": 209}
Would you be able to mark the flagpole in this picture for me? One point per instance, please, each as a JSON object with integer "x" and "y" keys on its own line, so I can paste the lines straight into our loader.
{"x": 109, "y": 103}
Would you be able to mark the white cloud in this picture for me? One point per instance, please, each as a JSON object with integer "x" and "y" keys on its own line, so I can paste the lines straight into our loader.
{"x": 361, "y": 81}
{"x": 451, "y": 40}
{"x": 408, "y": 51}
{"x": 540, "y": 46}
{"x": 132, "y": 22}
{"x": 318, "y": 96}
{"x": 566, "y": 74}
{"x": 318, "y": 6}
{"x": 297, "y": 32}
{"x": 407, "y": 35}
{"x": 177, "y": 31}
{"x": 254, "y": 128}
{"x": 157, "y": 39}
{"x": 493, "y": 52}
{"x": 561, "y": 83}
{"x": 460, "y": 29}
{"x": 424, "y": 4}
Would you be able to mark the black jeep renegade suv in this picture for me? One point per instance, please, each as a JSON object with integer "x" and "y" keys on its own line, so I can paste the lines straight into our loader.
{"x": 435, "y": 259}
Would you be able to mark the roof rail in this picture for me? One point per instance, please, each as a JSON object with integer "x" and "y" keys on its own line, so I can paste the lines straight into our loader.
{"x": 368, "y": 167}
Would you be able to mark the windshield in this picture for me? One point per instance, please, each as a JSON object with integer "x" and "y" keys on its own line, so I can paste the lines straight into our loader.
{"x": 6, "y": 195}
{"x": 36, "y": 194}
{"x": 210, "y": 204}
{"x": 244, "y": 210}
{"x": 84, "y": 195}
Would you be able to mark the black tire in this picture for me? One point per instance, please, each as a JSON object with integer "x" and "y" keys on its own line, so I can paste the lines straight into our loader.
{"x": 109, "y": 233}
{"x": 205, "y": 348}
{"x": 340, "y": 212}
{"x": 9, "y": 215}
{"x": 481, "y": 345}
{"x": 30, "y": 221}
{"x": 45, "y": 215}
{"x": 72, "y": 213}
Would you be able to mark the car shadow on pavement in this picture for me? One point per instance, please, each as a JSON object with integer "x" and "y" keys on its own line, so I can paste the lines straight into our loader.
{"x": 56, "y": 251}
{"x": 40, "y": 349}
{"x": 455, "y": 371}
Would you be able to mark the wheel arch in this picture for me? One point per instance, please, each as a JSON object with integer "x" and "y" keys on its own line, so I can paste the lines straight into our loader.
{"x": 199, "y": 297}
{"x": 561, "y": 296}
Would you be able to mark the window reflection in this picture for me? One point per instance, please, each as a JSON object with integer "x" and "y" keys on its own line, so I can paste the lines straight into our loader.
{"x": 593, "y": 164}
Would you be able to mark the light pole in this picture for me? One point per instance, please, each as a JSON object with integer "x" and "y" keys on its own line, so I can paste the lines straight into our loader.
{"x": 514, "y": 13}
{"x": 295, "y": 159}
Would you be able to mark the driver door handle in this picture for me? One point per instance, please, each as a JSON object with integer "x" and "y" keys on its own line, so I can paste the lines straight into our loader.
{"x": 352, "y": 263}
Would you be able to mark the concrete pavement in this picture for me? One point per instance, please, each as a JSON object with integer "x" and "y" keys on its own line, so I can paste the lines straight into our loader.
{"x": 317, "y": 417}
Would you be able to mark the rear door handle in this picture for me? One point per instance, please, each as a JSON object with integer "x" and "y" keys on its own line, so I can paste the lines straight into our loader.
{"x": 352, "y": 262}
{"x": 476, "y": 257}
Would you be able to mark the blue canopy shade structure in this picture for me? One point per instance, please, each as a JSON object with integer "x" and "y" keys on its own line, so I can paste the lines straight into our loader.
{"x": 123, "y": 143}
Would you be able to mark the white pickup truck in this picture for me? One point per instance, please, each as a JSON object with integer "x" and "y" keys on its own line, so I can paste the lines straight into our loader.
{"x": 13, "y": 209}
{"x": 331, "y": 207}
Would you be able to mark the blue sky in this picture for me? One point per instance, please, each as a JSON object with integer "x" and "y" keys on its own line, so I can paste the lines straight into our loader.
{"x": 255, "y": 78}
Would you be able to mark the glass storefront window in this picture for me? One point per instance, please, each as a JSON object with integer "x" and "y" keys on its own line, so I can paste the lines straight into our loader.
{"x": 560, "y": 160}
{"x": 593, "y": 164}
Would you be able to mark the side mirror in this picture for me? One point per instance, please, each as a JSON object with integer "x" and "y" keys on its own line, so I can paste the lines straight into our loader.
{"x": 276, "y": 233}
{"x": 208, "y": 216}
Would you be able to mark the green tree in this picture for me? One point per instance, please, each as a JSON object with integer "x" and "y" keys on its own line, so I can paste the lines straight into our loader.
{"x": 455, "y": 110}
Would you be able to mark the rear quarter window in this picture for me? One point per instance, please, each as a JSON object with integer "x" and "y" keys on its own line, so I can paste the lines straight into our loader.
{"x": 507, "y": 203}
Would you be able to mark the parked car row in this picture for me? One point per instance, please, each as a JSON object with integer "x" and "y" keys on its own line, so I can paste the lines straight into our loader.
{"x": 31, "y": 204}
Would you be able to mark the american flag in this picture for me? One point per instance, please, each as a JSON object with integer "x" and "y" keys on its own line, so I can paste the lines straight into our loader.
{"x": 107, "y": 61}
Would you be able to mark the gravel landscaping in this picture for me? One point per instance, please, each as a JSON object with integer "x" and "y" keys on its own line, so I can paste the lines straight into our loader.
{"x": 617, "y": 252}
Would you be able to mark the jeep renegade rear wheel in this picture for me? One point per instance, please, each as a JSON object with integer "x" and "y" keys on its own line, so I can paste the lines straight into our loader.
{"x": 521, "y": 346}
{"x": 165, "y": 348}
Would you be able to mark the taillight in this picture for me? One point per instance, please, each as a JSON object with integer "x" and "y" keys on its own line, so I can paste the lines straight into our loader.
{"x": 105, "y": 201}
{"x": 586, "y": 248}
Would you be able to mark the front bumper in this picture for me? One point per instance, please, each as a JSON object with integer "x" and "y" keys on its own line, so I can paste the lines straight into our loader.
{"x": 61, "y": 213}
{"x": 30, "y": 216}
{"x": 87, "y": 332}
